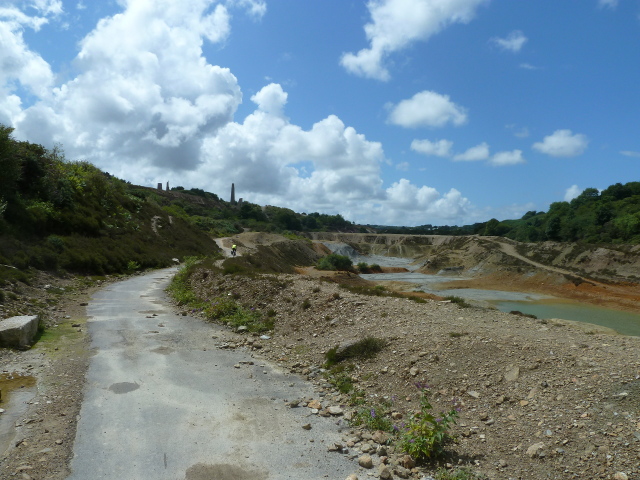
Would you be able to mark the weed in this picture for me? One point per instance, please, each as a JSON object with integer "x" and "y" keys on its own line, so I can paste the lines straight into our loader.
{"x": 133, "y": 266}
{"x": 306, "y": 304}
{"x": 316, "y": 289}
{"x": 425, "y": 434}
{"x": 374, "y": 418}
{"x": 458, "y": 334}
{"x": 342, "y": 382}
{"x": 365, "y": 348}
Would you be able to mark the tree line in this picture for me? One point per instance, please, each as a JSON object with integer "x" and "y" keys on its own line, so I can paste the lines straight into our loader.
{"x": 608, "y": 216}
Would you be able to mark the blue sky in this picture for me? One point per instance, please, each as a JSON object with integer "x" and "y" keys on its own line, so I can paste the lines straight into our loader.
{"x": 397, "y": 112}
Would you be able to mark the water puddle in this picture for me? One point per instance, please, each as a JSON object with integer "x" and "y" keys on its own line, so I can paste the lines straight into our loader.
{"x": 542, "y": 306}
{"x": 16, "y": 391}
{"x": 622, "y": 322}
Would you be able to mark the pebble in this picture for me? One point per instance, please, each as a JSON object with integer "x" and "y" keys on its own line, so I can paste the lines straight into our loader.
{"x": 535, "y": 450}
{"x": 384, "y": 472}
{"x": 365, "y": 461}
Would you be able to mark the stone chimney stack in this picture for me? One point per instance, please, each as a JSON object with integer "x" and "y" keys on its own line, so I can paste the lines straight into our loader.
{"x": 233, "y": 194}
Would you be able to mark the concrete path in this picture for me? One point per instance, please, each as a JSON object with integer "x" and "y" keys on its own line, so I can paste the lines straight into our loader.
{"x": 162, "y": 402}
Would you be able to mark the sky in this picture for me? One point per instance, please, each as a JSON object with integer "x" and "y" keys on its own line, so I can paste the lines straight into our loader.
{"x": 388, "y": 112}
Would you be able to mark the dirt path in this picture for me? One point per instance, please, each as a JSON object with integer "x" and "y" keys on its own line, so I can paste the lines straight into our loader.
{"x": 509, "y": 249}
{"x": 225, "y": 245}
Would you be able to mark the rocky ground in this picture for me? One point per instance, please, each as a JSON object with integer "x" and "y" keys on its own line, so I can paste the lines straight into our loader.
{"x": 539, "y": 399}
{"x": 41, "y": 446}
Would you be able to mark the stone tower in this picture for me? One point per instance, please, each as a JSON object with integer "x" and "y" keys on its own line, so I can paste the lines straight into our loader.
{"x": 233, "y": 194}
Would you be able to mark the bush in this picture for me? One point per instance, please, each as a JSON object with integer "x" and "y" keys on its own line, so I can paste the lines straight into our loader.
{"x": 334, "y": 262}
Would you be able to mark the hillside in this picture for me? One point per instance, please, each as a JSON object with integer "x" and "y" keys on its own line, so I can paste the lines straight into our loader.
{"x": 538, "y": 398}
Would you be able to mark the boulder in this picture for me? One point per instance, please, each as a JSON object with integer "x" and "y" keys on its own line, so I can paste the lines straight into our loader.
{"x": 19, "y": 332}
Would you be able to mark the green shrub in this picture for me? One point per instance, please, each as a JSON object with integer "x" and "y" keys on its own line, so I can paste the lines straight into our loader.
{"x": 56, "y": 242}
{"x": 366, "y": 348}
{"x": 334, "y": 262}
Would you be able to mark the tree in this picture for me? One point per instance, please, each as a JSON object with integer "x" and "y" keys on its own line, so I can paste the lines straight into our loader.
{"x": 10, "y": 164}
{"x": 553, "y": 228}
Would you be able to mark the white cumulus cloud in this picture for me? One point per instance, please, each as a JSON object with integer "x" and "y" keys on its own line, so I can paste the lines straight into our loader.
{"x": 562, "y": 143}
{"x": 473, "y": 154}
{"x": 572, "y": 192}
{"x": 132, "y": 100}
{"x": 439, "y": 148}
{"x": 512, "y": 42}
{"x": 146, "y": 105}
{"x": 397, "y": 24}
{"x": 502, "y": 159}
{"x": 427, "y": 109}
